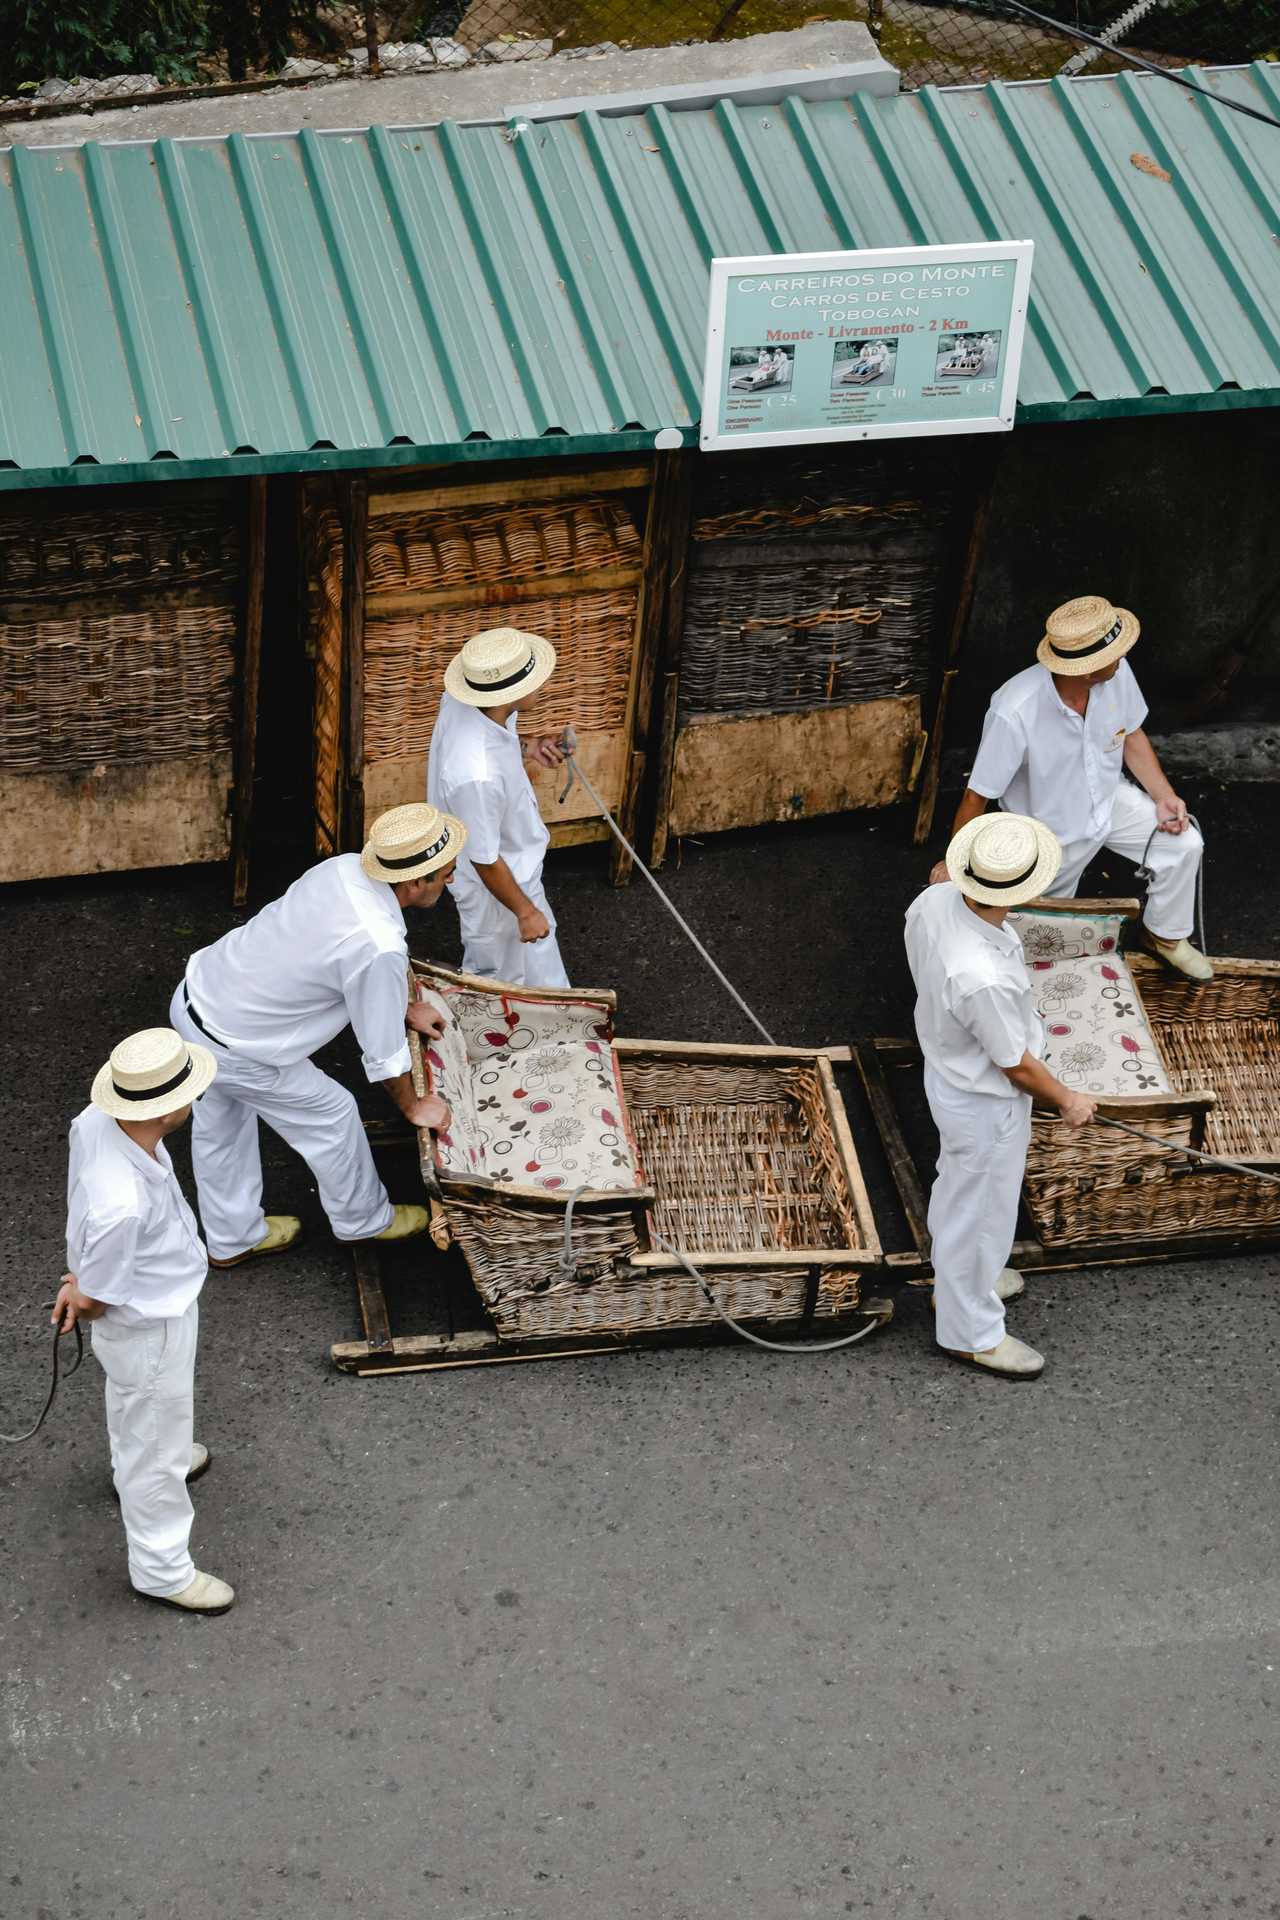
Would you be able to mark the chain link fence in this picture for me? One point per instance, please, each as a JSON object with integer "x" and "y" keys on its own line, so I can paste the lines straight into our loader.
{"x": 930, "y": 42}
{"x": 938, "y": 42}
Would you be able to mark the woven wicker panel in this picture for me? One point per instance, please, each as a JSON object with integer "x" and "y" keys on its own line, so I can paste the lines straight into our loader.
{"x": 406, "y": 655}
{"x": 812, "y": 583}
{"x": 449, "y": 550}
{"x": 740, "y": 1155}
{"x": 631, "y": 1303}
{"x": 514, "y": 1250}
{"x": 1120, "y": 1185}
{"x": 116, "y": 690}
{"x": 79, "y": 553}
{"x": 322, "y": 544}
{"x": 1240, "y": 1061}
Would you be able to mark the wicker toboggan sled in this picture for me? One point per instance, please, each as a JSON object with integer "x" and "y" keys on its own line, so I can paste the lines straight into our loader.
{"x": 741, "y": 1156}
{"x": 1193, "y": 1065}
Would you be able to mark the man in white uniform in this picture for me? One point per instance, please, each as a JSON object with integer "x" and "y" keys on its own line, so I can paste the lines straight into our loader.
{"x": 331, "y": 953}
{"x": 476, "y": 770}
{"x": 983, "y": 1049}
{"x": 137, "y": 1266}
{"x": 1055, "y": 744}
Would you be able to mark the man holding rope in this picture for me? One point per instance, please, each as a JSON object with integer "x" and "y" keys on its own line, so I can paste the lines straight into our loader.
{"x": 138, "y": 1264}
{"x": 983, "y": 1047}
{"x": 477, "y": 770}
{"x": 1056, "y": 742}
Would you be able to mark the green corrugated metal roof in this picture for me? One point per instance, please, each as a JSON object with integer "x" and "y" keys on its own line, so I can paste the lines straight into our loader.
{"x": 401, "y": 294}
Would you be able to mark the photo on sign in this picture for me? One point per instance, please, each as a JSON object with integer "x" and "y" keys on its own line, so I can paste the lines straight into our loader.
{"x": 968, "y": 355}
{"x": 760, "y": 369}
{"x": 863, "y": 363}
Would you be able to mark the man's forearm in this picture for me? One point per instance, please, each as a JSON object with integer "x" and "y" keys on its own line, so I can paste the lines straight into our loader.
{"x": 1143, "y": 763}
{"x": 1033, "y": 1077}
{"x": 971, "y": 805}
{"x": 400, "y": 1091}
{"x": 502, "y": 884}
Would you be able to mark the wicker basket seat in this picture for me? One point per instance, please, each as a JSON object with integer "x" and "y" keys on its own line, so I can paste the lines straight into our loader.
{"x": 741, "y": 1160}
{"x": 1097, "y": 1035}
{"x": 1191, "y": 1064}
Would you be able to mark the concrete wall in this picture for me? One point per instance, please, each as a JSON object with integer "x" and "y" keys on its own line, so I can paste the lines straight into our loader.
{"x": 1177, "y": 518}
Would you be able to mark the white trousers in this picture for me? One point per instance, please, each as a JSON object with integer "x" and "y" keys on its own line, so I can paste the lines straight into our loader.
{"x": 1174, "y": 858}
{"x": 492, "y": 946}
{"x": 973, "y": 1209}
{"x": 318, "y": 1118}
{"x": 150, "y": 1369}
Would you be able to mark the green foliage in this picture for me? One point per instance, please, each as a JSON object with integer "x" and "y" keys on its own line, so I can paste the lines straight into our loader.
{"x": 88, "y": 39}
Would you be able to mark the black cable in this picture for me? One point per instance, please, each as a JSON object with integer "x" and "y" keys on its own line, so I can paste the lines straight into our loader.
{"x": 1136, "y": 60}
{"x": 16, "y": 1439}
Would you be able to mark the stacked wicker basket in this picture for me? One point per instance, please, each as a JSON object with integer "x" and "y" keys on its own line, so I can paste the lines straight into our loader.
{"x": 809, "y": 618}
{"x": 118, "y": 628}
{"x": 434, "y": 578}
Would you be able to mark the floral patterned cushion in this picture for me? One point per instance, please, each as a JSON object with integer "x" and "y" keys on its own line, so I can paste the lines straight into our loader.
{"x": 1097, "y": 1035}
{"x": 535, "y": 1093}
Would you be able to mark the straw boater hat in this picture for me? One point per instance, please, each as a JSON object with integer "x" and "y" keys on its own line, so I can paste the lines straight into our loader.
{"x": 410, "y": 842}
{"x": 1086, "y": 634}
{"x": 152, "y": 1073}
{"x": 499, "y": 666}
{"x": 1003, "y": 859}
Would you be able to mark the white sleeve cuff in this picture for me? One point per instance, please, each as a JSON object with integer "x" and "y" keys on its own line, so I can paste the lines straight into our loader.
{"x": 391, "y": 1068}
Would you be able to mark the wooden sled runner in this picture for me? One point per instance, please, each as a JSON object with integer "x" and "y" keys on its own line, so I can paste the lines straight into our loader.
{"x": 1196, "y": 1065}
{"x": 740, "y": 1155}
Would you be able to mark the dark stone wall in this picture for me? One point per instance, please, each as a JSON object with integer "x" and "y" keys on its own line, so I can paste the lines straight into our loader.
{"x": 1177, "y": 518}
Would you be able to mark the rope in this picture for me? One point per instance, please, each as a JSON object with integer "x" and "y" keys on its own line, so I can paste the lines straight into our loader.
{"x": 1146, "y": 873}
{"x": 17, "y": 1439}
{"x": 1192, "y": 1153}
{"x": 568, "y": 1268}
{"x": 568, "y": 742}
{"x": 1123, "y": 53}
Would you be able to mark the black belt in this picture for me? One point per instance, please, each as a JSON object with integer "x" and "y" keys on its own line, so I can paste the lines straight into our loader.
{"x": 186, "y": 1001}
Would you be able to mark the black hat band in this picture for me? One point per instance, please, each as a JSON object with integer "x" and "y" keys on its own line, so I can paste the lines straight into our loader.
{"x": 414, "y": 859}
{"x": 1094, "y": 646}
{"x": 496, "y": 686}
{"x": 153, "y": 1093}
{"x": 998, "y": 886}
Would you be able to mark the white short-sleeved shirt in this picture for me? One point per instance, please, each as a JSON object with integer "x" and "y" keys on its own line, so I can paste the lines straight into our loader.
{"x": 974, "y": 1008}
{"x": 1040, "y": 758}
{"x": 132, "y": 1240}
{"x": 330, "y": 952}
{"x": 476, "y": 771}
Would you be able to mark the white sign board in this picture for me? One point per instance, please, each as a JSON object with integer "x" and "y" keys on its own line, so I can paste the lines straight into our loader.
{"x": 884, "y": 343}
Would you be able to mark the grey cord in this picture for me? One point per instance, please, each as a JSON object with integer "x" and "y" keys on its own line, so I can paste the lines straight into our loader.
{"x": 567, "y": 744}
{"x": 18, "y": 1439}
{"x": 1146, "y": 873}
{"x": 568, "y": 1268}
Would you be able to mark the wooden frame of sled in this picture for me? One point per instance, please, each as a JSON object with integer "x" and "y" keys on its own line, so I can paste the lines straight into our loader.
{"x": 750, "y": 1166}
{"x": 1102, "y": 1198}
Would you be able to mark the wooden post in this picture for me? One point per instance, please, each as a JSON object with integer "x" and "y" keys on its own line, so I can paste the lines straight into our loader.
{"x": 355, "y": 548}
{"x": 371, "y": 41}
{"x": 250, "y": 678}
{"x": 677, "y": 562}
{"x": 666, "y": 523}
{"x": 951, "y": 658}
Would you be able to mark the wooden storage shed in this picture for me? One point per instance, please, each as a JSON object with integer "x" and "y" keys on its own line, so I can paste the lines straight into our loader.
{"x": 401, "y": 573}
{"x": 803, "y": 651}
{"x": 125, "y": 621}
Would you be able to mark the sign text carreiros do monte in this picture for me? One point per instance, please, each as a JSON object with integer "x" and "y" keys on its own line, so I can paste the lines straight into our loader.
{"x": 877, "y": 344}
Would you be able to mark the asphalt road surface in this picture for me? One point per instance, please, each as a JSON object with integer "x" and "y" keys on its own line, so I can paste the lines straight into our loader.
{"x": 686, "y": 1635}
